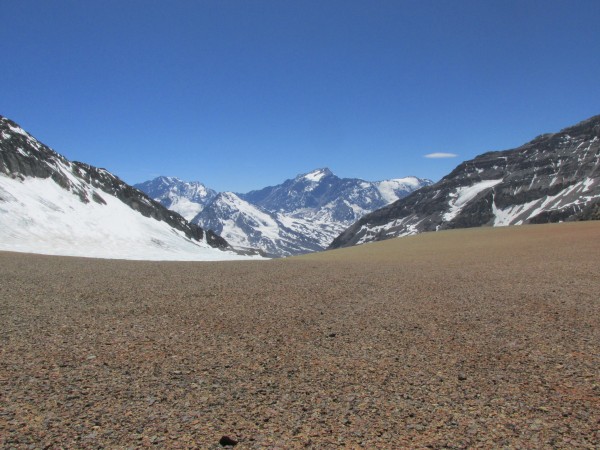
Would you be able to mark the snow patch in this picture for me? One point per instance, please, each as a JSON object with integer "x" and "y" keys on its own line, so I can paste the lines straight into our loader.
{"x": 185, "y": 207}
{"x": 464, "y": 195}
{"x": 568, "y": 197}
{"x": 18, "y": 130}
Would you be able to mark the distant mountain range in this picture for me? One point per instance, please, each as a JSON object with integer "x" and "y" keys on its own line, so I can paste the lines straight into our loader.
{"x": 49, "y": 204}
{"x": 300, "y": 215}
{"x": 555, "y": 177}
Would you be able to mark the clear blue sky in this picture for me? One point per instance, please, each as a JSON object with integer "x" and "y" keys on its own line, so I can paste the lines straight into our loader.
{"x": 243, "y": 94}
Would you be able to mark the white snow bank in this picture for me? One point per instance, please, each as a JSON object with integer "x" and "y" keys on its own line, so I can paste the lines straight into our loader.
{"x": 38, "y": 216}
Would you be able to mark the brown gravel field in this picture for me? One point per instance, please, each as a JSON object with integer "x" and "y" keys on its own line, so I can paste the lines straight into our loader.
{"x": 470, "y": 338}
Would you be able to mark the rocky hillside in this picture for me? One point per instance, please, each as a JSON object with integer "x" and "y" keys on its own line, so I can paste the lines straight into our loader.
{"x": 555, "y": 177}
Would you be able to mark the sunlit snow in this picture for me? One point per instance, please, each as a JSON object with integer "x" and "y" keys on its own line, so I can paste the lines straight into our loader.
{"x": 185, "y": 207}
{"x": 570, "y": 196}
{"x": 315, "y": 176}
{"x": 388, "y": 188}
{"x": 38, "y": 216}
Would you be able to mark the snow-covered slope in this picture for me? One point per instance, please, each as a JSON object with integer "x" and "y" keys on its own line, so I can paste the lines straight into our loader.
{"x": 187, "y": 198}
{"x": 54, "y": 206}
{"x": 39, "y": 216}
{"x": 248, "y": 226}
{"x": 553, "y": 178}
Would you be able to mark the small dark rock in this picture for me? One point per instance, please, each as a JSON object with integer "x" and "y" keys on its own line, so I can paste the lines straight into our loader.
{"x": 332, "y": 335}
{"x": 462, "y": 377}
{"x": 226, "y": 440}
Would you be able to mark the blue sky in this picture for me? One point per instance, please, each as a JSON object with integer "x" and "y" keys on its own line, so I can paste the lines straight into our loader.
{"x": 243, "y": 94}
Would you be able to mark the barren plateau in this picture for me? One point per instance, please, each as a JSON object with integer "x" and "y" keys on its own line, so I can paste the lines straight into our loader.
{"x": 468, "y": 338}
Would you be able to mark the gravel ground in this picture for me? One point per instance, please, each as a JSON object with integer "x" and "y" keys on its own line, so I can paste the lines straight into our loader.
{"x": 469, "y": 338}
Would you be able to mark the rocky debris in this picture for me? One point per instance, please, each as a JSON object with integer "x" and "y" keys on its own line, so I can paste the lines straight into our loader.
{"x": 121, "y": 354}
{"x": 227, "y": 441}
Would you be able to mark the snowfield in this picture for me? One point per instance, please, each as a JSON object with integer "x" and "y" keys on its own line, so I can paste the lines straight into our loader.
{"x": 38, "y": 216}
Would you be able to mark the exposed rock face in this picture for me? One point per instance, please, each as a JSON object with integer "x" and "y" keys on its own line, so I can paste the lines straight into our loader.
{"x": 302, "y": 214}
{"x": 23, "y": 156}
{"x": 555, "y": 177}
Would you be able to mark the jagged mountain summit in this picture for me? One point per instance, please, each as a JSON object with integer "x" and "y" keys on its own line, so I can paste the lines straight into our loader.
{"x": 313, "y": 208}
{"x": 300, "y": 215}
{"x": 322, "y": 194}
{"x": 555, "y": 177}
{"x": 51, "y": 205}
{"x": 183, "y": 197}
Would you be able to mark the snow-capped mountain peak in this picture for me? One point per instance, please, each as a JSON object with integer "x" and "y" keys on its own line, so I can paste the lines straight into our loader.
{"x": 392, "y": 190}
{"x": 167, "y": 181}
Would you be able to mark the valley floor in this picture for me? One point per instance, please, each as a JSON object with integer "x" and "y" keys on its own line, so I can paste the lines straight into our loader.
{"x": 466, "y": 338}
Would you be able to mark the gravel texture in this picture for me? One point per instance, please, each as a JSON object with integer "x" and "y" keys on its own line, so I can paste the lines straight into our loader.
{"x": 469, "y": 338}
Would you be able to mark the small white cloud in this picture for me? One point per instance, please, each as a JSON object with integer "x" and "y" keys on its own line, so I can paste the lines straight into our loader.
{"x": 441, "y": 155}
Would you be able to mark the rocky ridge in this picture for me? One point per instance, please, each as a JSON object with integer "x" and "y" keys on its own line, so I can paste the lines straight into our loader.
{"x": 555, "y": 177}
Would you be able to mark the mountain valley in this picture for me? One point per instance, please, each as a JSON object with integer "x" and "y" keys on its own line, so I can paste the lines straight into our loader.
{"x": 300, "y": 215}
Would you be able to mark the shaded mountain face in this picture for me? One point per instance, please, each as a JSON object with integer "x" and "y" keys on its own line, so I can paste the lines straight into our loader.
{"x": 555, "y": 177}
{"x": 32, "y": 176}
{"x": 185, "y": 198}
